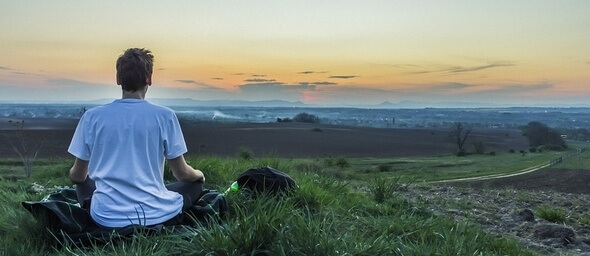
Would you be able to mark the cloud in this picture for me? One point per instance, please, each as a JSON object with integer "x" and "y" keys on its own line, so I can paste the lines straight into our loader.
{"x": 217, "y": 78}
{"x": 455, "y": 69}
{"x": 5, "y": 68}
{"x": 318, "y": 83}
{"x": 70, "y": 83}
{"x": 453, "y": 85}
{"x": 200, "y": 84}
{"x": 342, "y": 77}
{"x": 476, "y": 68}
{"x": 187, "y": 81}
{"x": 257, "y": 75}
{"x": 520, "y": 88}
{"x": 161, "y": 69}
{"x": 311, "y": 72}
{"x": 237, "y": 74}
{"x": 259, "y": 80}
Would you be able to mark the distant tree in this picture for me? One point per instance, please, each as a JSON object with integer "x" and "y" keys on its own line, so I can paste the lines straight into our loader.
{"x": 306, "y": 118}
{"x": 539, "y": 134}
{"x": 459, "y": 134}
{"x": 23, "y": 145}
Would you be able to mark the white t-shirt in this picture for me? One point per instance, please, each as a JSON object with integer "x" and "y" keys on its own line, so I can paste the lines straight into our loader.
{"x": 126, "y": 143}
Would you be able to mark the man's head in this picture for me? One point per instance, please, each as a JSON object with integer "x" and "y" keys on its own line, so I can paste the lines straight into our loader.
{"x": 134, "y": 69}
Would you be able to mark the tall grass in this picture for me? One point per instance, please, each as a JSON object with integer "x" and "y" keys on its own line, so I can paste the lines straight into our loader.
{"x": 329, "y": 214}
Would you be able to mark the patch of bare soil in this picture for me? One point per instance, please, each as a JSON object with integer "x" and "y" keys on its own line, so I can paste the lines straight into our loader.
{"x": 287, "y": 139}
{"x": 512, "y": 207}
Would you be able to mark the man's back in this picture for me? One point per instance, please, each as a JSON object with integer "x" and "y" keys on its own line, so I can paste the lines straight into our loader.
{"x": 126, "y": 143}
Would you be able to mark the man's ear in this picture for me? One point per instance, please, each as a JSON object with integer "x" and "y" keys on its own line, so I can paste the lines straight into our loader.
{"x": 148, "y": 80}
{"x": 118, "y": 80}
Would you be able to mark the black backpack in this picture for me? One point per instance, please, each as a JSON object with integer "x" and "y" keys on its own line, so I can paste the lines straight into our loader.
{"x": 266, "y": 180}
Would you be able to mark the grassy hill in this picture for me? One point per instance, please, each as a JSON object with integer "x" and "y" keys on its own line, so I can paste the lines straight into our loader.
{"x": 342, "y": 207}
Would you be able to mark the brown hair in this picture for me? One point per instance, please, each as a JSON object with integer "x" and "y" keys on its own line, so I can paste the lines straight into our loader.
{"x": 134, "y": 67}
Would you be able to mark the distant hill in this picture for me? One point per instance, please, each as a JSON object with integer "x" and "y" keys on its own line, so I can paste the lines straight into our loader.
{"x": 188, "y": 102}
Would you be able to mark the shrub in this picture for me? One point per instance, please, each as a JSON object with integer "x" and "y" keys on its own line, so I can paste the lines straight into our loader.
{"x": 245, "y": 153}
{"x": 511, "y": 151}
{"x": 342, "y": 162}
{"x": 384, "y": 168}
{"x": 492, "y": 153}
{"x": 306, "y": 118}
{"x": 317, "y": 130}
{"x": 533, "y": 150}
{"x": 461, "y": 153}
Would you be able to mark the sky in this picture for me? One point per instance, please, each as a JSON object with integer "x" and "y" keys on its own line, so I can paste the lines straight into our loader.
{"x": 505, "y": 52}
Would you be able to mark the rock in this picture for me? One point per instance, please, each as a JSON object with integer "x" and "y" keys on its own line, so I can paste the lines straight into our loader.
{"x": 554, "y": 234}
{"x": 525, "y": 215}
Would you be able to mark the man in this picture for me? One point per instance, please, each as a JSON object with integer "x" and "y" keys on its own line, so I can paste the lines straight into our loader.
{"x": 120, "y": 149}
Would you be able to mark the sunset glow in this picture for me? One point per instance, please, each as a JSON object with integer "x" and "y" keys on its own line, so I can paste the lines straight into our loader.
{"x": 317, "y": 52}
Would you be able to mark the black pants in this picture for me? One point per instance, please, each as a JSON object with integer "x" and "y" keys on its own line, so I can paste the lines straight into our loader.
{"x": 190, "y": 191}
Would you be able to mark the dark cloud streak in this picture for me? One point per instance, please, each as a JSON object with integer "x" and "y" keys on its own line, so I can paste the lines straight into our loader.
{"x": 259, "y": 80}
{"x": 312, "y": 72}
{"x": 342, "y": 77}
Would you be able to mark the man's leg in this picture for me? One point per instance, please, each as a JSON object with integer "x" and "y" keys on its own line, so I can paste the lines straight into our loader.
{"x": 85, "y": 190}
{"x": 190, "y": 191}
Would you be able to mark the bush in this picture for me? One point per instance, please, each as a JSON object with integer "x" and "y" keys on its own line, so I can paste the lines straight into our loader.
{"x": 306, "y": 118}
{"x": 384, "y": 168}
{"x": 552, "y": 147}
{"x": 342, "y": 162}
{"x": 245, "y": 153}
{"x": 492, "y": 153}
{"x": 317, "y": 130}
{"x": 511, "y": 151}
{"x": 461, "y": 153}
{"x": 533, "y": 150}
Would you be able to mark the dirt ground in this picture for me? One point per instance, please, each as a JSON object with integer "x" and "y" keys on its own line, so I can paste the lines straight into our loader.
{"x": 550, "y": 179}
{"x": 316, "y": 140}
{"x": 285, "y": 139}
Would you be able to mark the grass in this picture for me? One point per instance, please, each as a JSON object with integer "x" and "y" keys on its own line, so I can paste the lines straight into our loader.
{"x": 425, "y": 169}
{"x": 337, "y": 210}
{"x": 551, "y": 214}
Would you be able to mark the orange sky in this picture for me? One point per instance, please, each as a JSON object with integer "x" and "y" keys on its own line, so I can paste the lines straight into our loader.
{"x": 326, "y": 52}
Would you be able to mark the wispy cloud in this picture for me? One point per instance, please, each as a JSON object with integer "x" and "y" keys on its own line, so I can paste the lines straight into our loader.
{"x": 520, "y": 88}
{"x": 200, "y": 84}
{"x": 237, "y": 74}
{"x": 217, "y": 78}
{"x": 258, "y": 75}
{"x": 311, "y": 72}
{"x": 5, "y": 68}
{"x": 318, "y": 83}
{"x": 455, "y": 69}
{"x": 342, "y": 77}
{"x": 259, "y": 80}
{"x": 476, "y": 68}
{"x": 187, "y": 81}
{"x": 453, "y": 86}
{"x": 70, "y": 83}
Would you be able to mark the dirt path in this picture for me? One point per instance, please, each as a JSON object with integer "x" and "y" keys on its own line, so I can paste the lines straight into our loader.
{"x": 496, "y": 176}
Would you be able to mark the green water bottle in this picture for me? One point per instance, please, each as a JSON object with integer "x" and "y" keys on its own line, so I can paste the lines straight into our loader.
{"x": 233, "y": 187}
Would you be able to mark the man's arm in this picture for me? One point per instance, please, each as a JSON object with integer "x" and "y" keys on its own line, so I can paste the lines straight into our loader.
{"x": 79, "y": 171}
{"x": 184, "y": 172}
